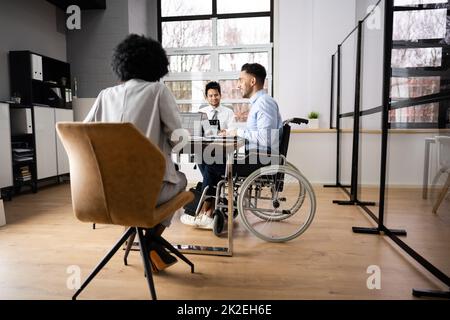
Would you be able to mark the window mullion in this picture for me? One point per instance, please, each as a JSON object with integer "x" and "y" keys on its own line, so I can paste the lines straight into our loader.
{"x": 214, "y": 32}
{"x": 214, "y": 7}
{"x": 214, "y": 54}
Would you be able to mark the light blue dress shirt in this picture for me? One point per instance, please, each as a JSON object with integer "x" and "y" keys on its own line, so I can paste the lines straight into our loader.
{"x": 264, "y": 122}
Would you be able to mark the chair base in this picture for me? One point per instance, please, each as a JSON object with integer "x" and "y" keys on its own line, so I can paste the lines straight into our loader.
{"x": 130, "y": 233}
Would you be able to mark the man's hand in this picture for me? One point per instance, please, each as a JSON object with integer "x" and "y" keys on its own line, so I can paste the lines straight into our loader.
{"x": 228, "y": 133}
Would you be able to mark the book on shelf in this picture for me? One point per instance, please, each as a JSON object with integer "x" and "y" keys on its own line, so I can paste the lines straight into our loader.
{"x": 24, "y": 174}
{"x": 23, "y": 154}
{"x": 23, "y": 159}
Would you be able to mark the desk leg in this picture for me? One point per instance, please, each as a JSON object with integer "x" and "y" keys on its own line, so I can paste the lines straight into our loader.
{"x": 230, "y": 202}
{"x": 218, "y": 251}
{"x": 426, "y": 169}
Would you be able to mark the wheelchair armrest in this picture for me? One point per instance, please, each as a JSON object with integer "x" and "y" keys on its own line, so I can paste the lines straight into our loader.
{"x": 296, "y": 121}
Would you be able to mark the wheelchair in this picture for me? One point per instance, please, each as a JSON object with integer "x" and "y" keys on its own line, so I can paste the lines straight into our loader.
{"x": 275, "y": 202}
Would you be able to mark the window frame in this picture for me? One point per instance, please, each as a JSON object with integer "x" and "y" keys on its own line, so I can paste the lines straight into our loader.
{"x": 440, "y": 71}
{"x": 214, "y": 51}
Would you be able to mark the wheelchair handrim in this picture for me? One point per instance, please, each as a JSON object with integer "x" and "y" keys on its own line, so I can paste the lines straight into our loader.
{"x": 275, "y": 170}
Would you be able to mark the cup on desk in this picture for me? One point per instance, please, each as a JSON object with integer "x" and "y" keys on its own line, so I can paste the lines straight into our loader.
{"x": 212, "y": 131}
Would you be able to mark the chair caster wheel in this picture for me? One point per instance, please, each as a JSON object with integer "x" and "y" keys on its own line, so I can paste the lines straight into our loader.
{"x": 218, "y": 222}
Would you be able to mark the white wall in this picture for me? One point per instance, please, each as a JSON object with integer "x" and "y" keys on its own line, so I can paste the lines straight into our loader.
{"x": 81, "y": 107}
{"x": 137, "y": 16}
{"x": 307, "y": 35}
{"x": 29, "y": 25}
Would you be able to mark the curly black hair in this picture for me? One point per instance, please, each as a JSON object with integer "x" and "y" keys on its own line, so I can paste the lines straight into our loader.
{"x": 138, "y": 57}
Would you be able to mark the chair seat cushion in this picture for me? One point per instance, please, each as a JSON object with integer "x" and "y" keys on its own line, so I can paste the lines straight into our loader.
{"x": 167, "y": 209}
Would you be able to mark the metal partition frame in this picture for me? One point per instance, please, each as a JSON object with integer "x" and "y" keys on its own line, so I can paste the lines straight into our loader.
{"x": 381, "y": 229}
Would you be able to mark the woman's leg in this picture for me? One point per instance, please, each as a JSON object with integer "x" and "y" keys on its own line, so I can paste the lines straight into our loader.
{"x": 160, "y": 258}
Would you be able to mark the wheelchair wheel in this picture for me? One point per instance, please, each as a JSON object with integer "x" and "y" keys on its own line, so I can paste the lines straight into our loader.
{"x": 277, "y": 203}
{"x": 218, "y": 222}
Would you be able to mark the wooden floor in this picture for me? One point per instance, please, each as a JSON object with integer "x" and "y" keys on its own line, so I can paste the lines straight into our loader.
{"x": 43, "y": 239}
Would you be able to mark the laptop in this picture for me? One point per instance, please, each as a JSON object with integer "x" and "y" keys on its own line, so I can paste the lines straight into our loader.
{"x": 194, "y": 122}
{"x": 200, "y": 128}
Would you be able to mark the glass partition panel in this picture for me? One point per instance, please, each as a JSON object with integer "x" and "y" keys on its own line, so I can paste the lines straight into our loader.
{"x": 348, "y": 70}
{"x": 370, "y": 160}
{"x": 372, "y": 64}
{"x": 416, "y": 200}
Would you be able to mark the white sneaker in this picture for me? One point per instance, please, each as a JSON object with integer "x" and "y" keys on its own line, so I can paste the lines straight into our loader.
{"x": 205, "y": 222}
{"x": 188, "y": 220}
{"x": 202, "y": 221}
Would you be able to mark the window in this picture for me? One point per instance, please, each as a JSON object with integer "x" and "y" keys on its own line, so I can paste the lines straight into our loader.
{"x": 210, "y": 40}
{"x": 420, "y": 62}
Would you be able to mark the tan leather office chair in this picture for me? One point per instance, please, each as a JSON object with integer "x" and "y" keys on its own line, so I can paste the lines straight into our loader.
{"x": 116, "y": 175}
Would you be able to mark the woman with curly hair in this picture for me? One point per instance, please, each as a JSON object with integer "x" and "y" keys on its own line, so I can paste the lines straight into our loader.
{"x": 140, "y": 98}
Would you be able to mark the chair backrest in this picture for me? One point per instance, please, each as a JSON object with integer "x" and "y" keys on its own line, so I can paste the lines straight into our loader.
{"x": 284, "y": 142}
{"x": 443, "y": 152}
{"x": 286, "y": 134}
{"x": 116, "y": 172}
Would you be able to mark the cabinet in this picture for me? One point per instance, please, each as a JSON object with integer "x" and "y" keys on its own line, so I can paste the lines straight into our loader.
{"x": 6, "y": 176}
{"x": 45, "y": 137}
{"x": 51, "y": 157}
{"x": 62, "y": 115}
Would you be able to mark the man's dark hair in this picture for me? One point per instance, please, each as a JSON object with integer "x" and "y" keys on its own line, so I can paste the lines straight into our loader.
{"x": 212, "y": 85}
{"x": 138, "y": 57}
{"x": 257, "y": 70}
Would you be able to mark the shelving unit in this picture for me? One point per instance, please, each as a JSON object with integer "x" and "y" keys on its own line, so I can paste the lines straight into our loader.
{"x": 44, "y": 88}
{"x": 21, "y": 141}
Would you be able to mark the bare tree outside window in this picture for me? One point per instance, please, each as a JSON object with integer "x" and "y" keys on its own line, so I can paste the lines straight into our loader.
{"x": 234, "y": 61}
{"x": 414, "y": 26}
{"x": 182, "y": 8}
{"x": 190, "y": 63}
{"x": 214, "y": 48}
{"x": 416, "y": 2}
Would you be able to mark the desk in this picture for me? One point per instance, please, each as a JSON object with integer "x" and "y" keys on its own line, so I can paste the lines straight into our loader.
{"x": 229, "y": 146}
{"x": 426, "y": 167}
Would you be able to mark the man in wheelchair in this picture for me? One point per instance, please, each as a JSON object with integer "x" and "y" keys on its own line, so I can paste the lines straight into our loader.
{"x": 262, "y": 134}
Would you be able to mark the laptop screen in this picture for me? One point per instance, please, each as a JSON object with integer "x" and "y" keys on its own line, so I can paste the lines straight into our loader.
{"x": 193, "y": 122}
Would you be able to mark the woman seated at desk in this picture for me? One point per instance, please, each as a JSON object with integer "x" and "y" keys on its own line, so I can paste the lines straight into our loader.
{"x": 140, "y": 98}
